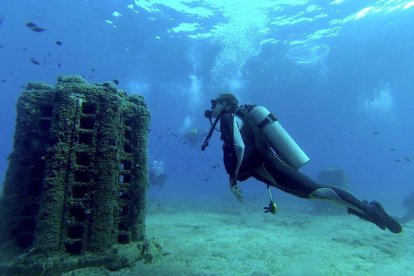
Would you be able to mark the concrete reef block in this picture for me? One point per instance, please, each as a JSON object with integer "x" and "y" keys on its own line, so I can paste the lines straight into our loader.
{"x": 74, "y": 193}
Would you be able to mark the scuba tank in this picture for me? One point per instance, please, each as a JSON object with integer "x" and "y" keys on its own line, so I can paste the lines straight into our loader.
{"x": 278, "y": 138}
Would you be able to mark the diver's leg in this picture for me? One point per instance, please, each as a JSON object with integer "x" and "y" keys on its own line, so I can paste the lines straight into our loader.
{"x": 310, "y": 189}
{"x": 372, "y": 211}
{"x": 263, "y": 175}
{"x": 297, "y": 183}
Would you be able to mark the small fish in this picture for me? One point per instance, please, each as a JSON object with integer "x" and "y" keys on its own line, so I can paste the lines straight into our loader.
{"x": 116, "y": 81}
{"x": 58, "y": 42}
{"x": 1, "y": 20}
{"x": 351, "y": 132}
{"x": 25, "y": 49}
{"x": 34, "y": 61}
{"x": 392, "y": 149}
{"x": 59, "y": 65}
{"x": 3, "y": 81}
{"x": 376, "y": 132}
{"x": 30, "y": 25}
{"x": 93, "y": 69}
{"x": 1, "y": 46}
{"x": 34, "y": 27}
{"x": 397, "y": 160}
{"x": 407, "y": 159}
{"x": 38, "y": 29}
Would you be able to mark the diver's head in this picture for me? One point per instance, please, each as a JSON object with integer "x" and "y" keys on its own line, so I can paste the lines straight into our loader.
{"x": 225, "y": 101}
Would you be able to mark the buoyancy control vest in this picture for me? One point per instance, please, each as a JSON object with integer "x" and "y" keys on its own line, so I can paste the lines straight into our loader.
{"x": 259, "y": 121}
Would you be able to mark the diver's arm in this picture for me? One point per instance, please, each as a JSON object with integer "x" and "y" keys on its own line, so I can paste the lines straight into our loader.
{"x": 238, "y": 144}
{"x": 233, "y": 149}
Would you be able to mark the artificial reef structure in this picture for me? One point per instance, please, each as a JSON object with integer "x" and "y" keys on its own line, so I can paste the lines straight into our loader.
{"x": 74, "y": 192}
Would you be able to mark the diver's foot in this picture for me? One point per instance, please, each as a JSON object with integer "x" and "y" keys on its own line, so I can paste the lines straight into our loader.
{"x": 381, "y": 218}
{"x": 375, "y": 213}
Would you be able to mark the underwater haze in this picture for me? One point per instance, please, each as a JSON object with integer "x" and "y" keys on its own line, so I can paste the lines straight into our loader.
{"x": 338, "y": 74}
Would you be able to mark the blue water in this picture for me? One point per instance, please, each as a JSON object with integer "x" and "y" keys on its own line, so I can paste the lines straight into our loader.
{"x": 338, "y": 75}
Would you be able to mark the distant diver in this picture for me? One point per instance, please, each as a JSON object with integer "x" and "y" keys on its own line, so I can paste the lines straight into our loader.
{"x": 256, "y": 145}
{"x": 156, "y": 173}
{"x": 193, "y": 136}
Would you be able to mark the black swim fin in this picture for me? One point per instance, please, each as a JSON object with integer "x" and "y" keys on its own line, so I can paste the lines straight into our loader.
{"x": 375, "y": 213}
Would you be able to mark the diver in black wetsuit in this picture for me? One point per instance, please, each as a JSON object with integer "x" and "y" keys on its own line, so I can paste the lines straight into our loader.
{"x": 247, "y": 153}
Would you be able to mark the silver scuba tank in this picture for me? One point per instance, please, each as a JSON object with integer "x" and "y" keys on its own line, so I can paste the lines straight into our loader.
{"x": 278, "y": 138}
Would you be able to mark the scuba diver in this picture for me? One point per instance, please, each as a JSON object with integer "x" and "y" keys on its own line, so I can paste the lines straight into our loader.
{"x": 156, "y": 173}
{"x": 256, "y": 145}
{"x": 193, "y": 136}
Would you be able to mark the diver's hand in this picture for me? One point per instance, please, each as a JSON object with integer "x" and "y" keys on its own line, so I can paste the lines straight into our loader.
{"x": 237, "y": 193}
{"x": 235, "y": 189}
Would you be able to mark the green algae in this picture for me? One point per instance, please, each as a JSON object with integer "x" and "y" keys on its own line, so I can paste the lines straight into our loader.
{"x": 74, "y": 193}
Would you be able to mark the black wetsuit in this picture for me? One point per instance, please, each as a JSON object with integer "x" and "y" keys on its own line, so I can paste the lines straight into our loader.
{"x": 259, "y": 154}
{"x": 287, "y": 178}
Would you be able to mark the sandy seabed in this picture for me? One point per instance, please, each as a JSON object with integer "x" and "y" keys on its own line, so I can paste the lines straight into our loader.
{"x": 208, "y": 239}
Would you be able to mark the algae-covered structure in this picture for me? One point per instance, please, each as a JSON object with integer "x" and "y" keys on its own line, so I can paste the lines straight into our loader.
{"x": 74, "y": 193}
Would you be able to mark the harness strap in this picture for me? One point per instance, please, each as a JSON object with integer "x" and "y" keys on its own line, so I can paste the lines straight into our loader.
{"x": 268, "y": 120}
